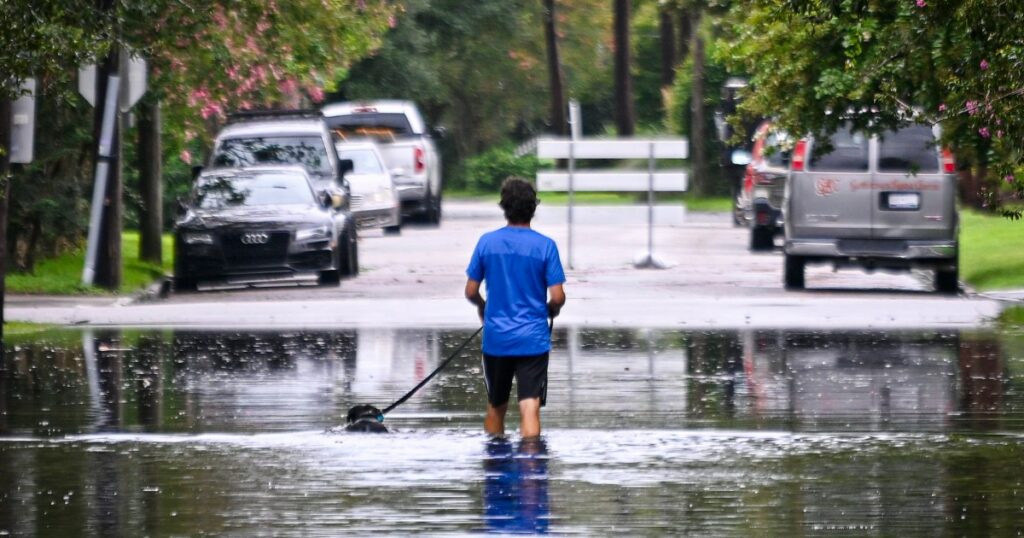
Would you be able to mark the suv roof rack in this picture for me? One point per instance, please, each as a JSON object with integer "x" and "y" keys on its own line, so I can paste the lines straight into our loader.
{"x": 257, "y": 115}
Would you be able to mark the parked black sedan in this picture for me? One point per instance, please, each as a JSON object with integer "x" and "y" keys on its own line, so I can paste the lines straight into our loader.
{"x": 260, "y": 224}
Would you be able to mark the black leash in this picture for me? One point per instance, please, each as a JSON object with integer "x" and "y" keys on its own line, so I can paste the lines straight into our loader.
{"x": 432, "y": 374}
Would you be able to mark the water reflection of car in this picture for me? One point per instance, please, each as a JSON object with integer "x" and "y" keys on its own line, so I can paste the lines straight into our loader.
{"x": 759, "y": 201}
{"x": 374, "y": 202}
{"x": 261, "y": 224}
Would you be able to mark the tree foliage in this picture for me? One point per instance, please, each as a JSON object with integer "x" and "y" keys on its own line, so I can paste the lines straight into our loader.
{"x": 956, "y": 63}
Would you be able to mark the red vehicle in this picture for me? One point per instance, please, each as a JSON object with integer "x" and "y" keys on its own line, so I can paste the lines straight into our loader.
{"x": 759, "y": 201}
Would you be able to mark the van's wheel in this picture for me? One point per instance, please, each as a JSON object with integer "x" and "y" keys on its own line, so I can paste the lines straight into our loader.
{"x": 947, "y": 280}
{"x": 794, "y": 272}
{"x": 394, "y": 230}
{"x": 761, "y": 238}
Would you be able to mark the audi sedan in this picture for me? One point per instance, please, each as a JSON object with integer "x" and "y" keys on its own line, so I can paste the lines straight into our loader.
{"x": 259, "y": 225}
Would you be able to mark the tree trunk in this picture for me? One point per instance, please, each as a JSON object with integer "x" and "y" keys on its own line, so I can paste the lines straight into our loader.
{"x": 668, "y": 48}
{"x": 5, "y": 192}
{"x": 150, "y": 183}
{"x": 685, "y": 34}
{"x": 624, "y": 112}
{"x": 698, "y": 147}
{"x": 555, "y": 76}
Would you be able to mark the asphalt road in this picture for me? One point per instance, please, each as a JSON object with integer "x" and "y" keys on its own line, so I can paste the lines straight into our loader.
{"x": 416, "y": 280}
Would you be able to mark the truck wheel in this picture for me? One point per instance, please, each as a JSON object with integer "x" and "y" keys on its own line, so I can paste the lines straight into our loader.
{"x": 761, "y": 238}
{"x": 794, "y": 273}
{"x": 349, "y": 264}
{"x": 433, "y": 212}
{"x": 393, "y": 230}
{"x": 947, "y": 281}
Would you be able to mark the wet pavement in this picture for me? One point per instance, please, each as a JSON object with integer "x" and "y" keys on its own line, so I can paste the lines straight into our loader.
{"x": 647, "y": 431}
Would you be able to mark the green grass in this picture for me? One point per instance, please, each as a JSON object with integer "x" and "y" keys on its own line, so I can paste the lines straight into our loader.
{"x": 991, "y": 251}
{"x": 1012, "y": 317}
{"x": 62, "y": 275}
{"x": 717, "y": 204}
{"x": 18, "y": 328}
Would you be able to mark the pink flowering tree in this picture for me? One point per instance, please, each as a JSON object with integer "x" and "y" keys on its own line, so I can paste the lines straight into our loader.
{"x": 209, "y": 58}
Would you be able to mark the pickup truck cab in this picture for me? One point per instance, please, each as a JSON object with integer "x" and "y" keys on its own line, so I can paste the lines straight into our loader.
{"x": 876, "y": 202}
{"x": 405, "y": 143}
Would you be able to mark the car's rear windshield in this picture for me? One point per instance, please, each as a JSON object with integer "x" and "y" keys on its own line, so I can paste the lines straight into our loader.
{"x": 911, "y": 149}
{"x": 364, "y": 161}
{"x": 370, "y": 124}
{"x": 220, "y": 192}
{"x": 307, "y": 151}
{"x": 845, "y": 151}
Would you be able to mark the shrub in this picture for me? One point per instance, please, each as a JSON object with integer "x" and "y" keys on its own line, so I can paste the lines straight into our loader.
{"x": 485, "y": 172}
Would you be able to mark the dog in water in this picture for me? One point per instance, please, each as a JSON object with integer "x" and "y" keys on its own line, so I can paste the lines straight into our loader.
{"x": 365, "y": 418}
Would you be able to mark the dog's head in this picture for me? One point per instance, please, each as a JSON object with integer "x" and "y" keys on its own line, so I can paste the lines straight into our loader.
{"x": 364, "y": 412}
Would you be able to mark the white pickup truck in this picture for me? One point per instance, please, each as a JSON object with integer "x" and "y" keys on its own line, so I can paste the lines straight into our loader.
{"x": 405, "y": 143}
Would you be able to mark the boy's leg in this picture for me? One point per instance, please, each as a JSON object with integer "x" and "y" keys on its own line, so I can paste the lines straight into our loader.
{"x": 529, "y": 421}
{"x": 532, "y": 380}
{"x": 498, "y": 375}
{"x": 494, "y": 423}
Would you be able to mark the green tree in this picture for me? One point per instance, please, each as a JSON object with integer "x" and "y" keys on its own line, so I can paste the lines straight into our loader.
{"x": 955, "y": 63}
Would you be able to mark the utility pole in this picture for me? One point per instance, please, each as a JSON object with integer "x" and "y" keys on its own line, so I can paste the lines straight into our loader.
{"x": 555, "y": 77}
{"x": 104, "y": 249}
{"x": 5, "y": 192}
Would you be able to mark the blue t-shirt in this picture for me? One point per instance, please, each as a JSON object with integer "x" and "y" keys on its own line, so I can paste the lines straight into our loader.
{"x": 517, "y": 265}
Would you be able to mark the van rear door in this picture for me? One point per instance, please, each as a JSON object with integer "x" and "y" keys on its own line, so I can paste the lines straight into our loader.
{"x": 913, "y": 198}
{"x": 832, "y": 197}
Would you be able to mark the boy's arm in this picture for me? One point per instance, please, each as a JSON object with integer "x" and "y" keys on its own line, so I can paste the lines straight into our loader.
{"x": 473, "y": 296}
{"x": 556, "y": 301}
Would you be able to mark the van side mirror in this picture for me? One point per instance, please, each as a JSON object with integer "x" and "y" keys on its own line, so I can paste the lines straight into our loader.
{"x": 182, "y": 206}
{"x": 325, "y": 200}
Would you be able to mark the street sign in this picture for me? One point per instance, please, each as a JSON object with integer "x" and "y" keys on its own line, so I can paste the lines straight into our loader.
{"x": 133, "y": 71}
{"x": 605, "y": 148}
{"x": 23, "y": 124}
{"x": 612, "y": 181}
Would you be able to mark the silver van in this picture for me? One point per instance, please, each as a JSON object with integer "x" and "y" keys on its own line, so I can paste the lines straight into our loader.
{"x": 876, "y": 202}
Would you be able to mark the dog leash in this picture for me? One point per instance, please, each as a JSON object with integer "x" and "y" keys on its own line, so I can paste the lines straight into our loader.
{"x": 400, "y": 401}
{"x": 432, "y": 374}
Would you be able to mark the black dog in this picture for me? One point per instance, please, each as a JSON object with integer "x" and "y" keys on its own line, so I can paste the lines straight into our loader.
{"x": 365, "y": 418}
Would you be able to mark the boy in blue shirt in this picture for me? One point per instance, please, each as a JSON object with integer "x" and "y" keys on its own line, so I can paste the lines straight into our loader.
{"x": 521, "y": 268}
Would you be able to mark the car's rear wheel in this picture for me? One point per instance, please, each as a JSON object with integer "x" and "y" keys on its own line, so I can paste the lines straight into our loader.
{"x": 947, "y": 280}
{"x": 794, "y": 272}
{"x": 761, "y": 238}
{"x": 433, "y": 213}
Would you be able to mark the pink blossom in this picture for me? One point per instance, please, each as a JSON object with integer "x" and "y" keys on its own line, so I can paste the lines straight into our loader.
{"x": 288, "y": 86}
{"x": 186, "y": 156}
{"x": 392, "y": 21}
{"x": 921, "y": 3}
{"x": 984, "y": 132}
{"x": 942, "y": 107}
{"x": 315, "y": 94}
{"x": 999, "y": 133}
{"x": 983, "y": 65}
{"x": 1009, "y": 178}
{"x": 972, "y": 107}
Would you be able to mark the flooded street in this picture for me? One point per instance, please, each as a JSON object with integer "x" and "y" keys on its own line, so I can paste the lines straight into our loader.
{"x": 107, "y": 432}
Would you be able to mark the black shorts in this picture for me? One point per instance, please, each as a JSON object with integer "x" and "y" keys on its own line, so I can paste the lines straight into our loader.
{"x": 530, "y": 373}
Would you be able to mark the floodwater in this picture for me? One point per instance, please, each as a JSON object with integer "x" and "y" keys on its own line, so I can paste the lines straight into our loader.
{"x": 741, "y": 433}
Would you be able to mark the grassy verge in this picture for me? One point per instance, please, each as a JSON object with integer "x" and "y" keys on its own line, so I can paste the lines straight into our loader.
{"x": 18, "y": 328}
{"x": 1012, "y": 317}
{"x": 716, "y": 204}
{"x": 991, "y": 256}
{"x": 63, "y": 275}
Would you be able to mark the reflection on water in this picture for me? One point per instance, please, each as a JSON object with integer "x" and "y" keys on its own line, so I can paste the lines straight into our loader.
{"x": 734, "y": 432}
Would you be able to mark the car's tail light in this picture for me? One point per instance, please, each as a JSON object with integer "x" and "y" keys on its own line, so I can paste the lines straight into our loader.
{"x": 418, "y": 159}
{"x": 799, "y": 153}
{"x": 948, "y": 164}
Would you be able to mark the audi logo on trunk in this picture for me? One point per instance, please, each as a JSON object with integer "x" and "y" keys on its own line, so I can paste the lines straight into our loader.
{"x": 255, "y": 239}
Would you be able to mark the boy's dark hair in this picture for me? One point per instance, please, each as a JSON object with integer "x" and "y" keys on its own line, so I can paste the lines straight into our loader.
{"x": 519, "y": 200}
